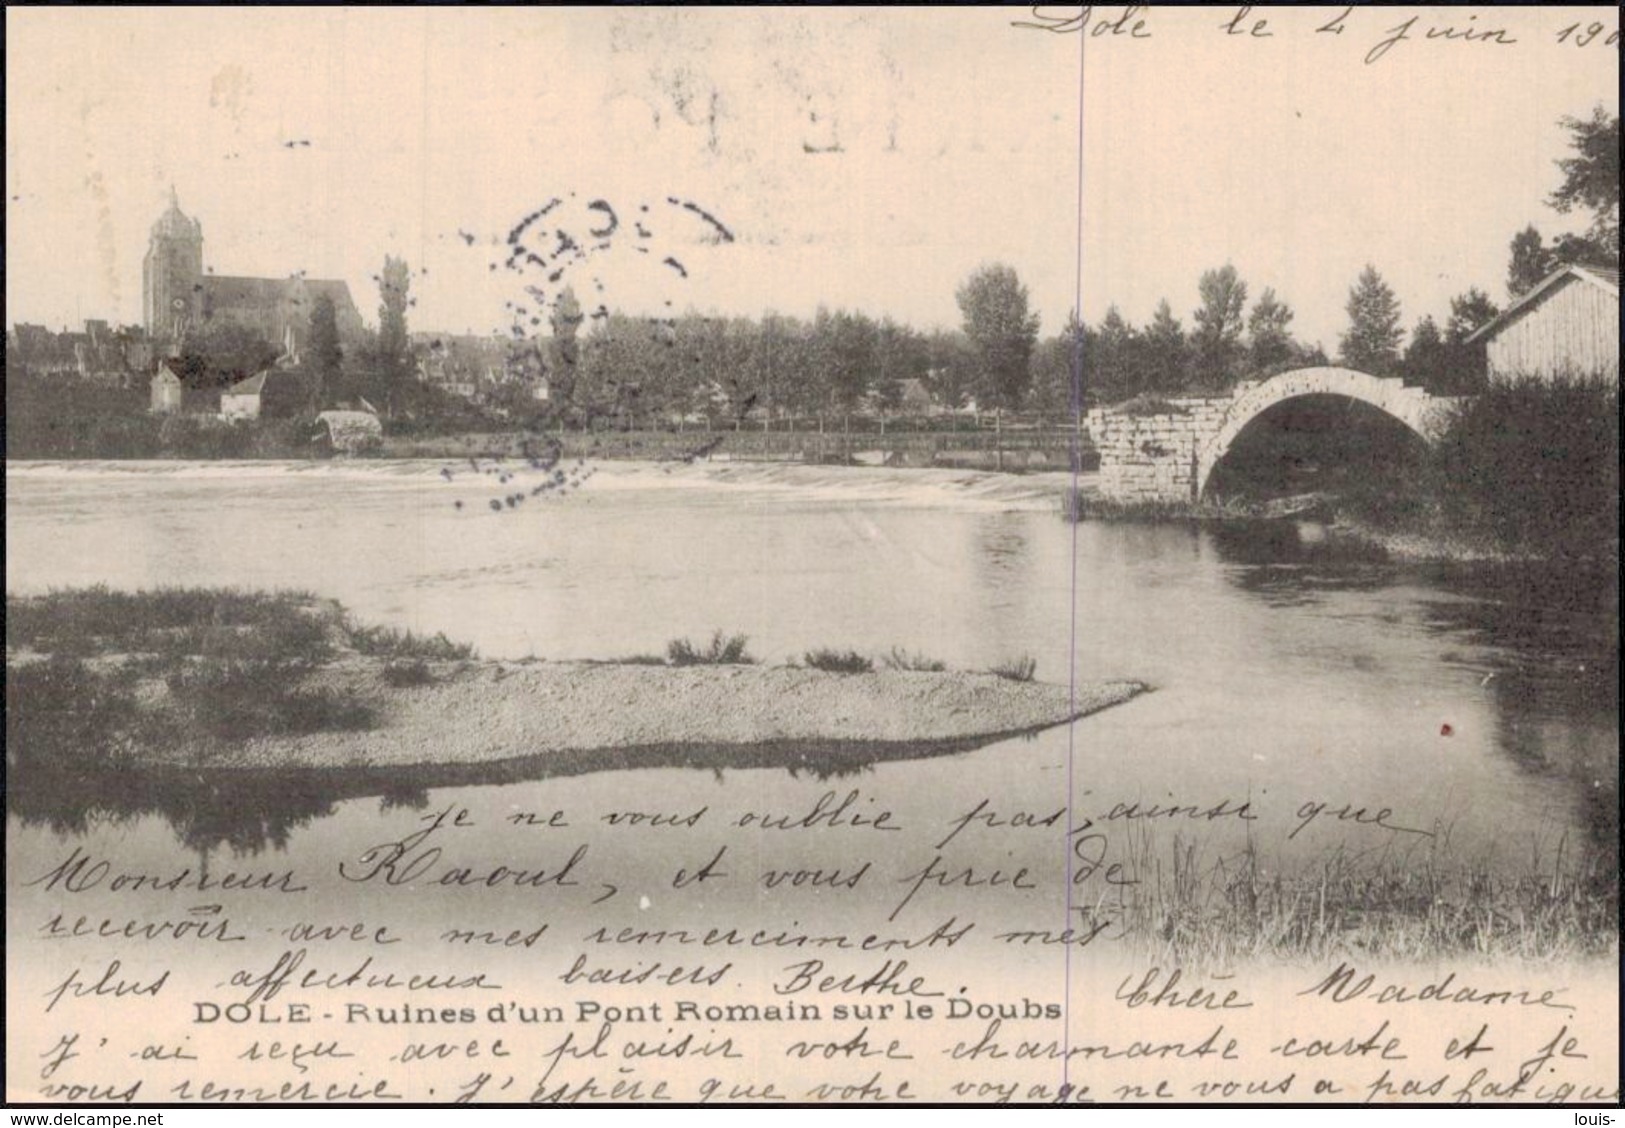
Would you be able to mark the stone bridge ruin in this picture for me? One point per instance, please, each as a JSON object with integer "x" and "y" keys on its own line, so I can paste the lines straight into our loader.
{"x": 1169, "y": 455}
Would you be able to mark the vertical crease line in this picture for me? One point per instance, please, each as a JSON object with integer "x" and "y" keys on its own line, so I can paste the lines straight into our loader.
{"x": 1072, "y": 626}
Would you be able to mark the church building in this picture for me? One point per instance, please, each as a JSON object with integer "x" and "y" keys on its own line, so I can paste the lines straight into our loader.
{"x": 180, "y": 298}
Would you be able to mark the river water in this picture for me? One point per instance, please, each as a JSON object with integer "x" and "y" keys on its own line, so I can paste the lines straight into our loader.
{"x": 1483, "y": 715}
{"x": 1277, "y": 665}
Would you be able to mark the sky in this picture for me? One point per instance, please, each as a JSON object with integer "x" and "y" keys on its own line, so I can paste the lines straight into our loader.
{"x": 782, "y": 159}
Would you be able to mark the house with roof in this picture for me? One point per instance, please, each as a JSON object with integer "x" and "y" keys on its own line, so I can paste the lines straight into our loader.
{"x": 915, "y": 397}
{"x": 463, "y": 365}
{"x": 168, "y": 389}
{"x": 274, "y": 393}
{"x": 100, "y": 354}
{"x": 1566, "y": 325}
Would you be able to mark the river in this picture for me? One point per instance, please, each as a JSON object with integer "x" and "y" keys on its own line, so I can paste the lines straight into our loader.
{"x": 1427, "y": 719}
{"x": 1279, "y": 666}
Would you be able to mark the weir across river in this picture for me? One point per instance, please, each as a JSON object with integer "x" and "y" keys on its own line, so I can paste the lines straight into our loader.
{"x": 1167, "y": 452}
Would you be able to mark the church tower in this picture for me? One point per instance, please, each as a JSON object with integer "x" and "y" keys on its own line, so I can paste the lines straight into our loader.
{"x": 172, "y": 274}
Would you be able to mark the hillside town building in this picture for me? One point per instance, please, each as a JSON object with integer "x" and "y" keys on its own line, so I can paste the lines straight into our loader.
{"x": 179, "y": 296}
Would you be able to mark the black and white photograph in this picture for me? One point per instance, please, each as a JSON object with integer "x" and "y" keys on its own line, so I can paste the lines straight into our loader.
{"x": 1026, "y": 555}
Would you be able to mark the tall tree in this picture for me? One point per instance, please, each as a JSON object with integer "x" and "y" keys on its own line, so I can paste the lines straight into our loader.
{"x": 1111, "y": 369}
{"x": 950, "y": 373}
{"x": 564, "y": 350}
{"x": 393, "y": 347}
{"x": 1271, "y": 340}
{"x": 1166, "y": 352}
{"x": 851, "y": 358}
{"x": 1002, "y": 333}
{"x": 326, "y": 352}
{"x": 1216, "y": 340}
{"x": 523, "y": 369}
{"x": 773, "y": 362}
{"x": 1468, "y": 313}
{"x": 1057, "y": 378}
{"x": 1531, "y": 261}
{"x": 1371, "y": 343}
{"x": 1426, "y": 354}
{"x": 899, "y": 356}
{"x": 1465, "y": 365}
{"x": 222, "y": 352}
{"x": 1591, "y": 178}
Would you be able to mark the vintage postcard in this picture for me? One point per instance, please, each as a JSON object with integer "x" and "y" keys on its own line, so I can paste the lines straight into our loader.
{"x": 1006, "y": 555}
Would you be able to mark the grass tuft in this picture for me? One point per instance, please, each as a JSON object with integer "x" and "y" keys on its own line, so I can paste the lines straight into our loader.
{"x": 406, "y": 675}
{"x": 724, "y": 650}
{"x": 1147, "y": 403}
{"x": 1081, "y": 506}
{"x": 1188, "y": 906}
{"x": 838, "y": 661}
{"x": 390, "y": 642}
{"x": 900, "y": 659}
{"x": 1019, "y": 669}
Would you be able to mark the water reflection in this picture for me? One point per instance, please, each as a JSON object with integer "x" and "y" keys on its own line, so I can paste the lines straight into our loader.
{"x": 1290, "y": 563}
{"x": 1274, "y": 642}
{"x": 1542, "y": 643}
{"x": 248, "y": 810}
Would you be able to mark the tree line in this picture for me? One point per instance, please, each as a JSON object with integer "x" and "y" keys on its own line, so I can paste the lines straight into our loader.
{"x": 642, "y": 371}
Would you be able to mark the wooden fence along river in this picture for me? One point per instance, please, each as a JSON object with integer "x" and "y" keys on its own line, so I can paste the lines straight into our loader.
{"x": 986, "y": 448}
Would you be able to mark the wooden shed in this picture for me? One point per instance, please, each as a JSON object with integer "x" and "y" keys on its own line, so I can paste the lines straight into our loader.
{"x": 351, "y": 432}
{"x": 1567, "y": 324}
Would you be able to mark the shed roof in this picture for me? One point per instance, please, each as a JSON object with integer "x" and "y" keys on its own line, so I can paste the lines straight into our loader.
{"x": 252, "y": 386}
{"x": 1606, "y": 278}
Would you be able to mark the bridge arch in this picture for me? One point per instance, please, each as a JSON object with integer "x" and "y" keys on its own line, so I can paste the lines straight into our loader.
{"x": 1411, "y": 406}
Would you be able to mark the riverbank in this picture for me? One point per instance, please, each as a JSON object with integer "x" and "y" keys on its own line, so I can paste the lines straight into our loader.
{"x": 230, "y": 679}
{"x": 1340, "y": 527}
{"x": 491, "y": 711}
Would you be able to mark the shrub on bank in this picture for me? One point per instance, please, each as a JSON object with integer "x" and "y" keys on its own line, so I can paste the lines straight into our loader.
{"x": 407, "y": 675}
{"x": 169, "y": 620}
{"x": 94, "y": 676}
{"x": 389, "y": 642}
{"x": 237, "y": 699}
{"x": 723, "y": 650}
{"x": 1019, "y": 669}
{"x": 838, "y": 661}
{"x": 1147, "y": 403}
{"x": 1080, "y": 505}
{"x": 1534, "y": 465}
{"x": 63, "y": 707}
{"x": 900, "y": 659}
